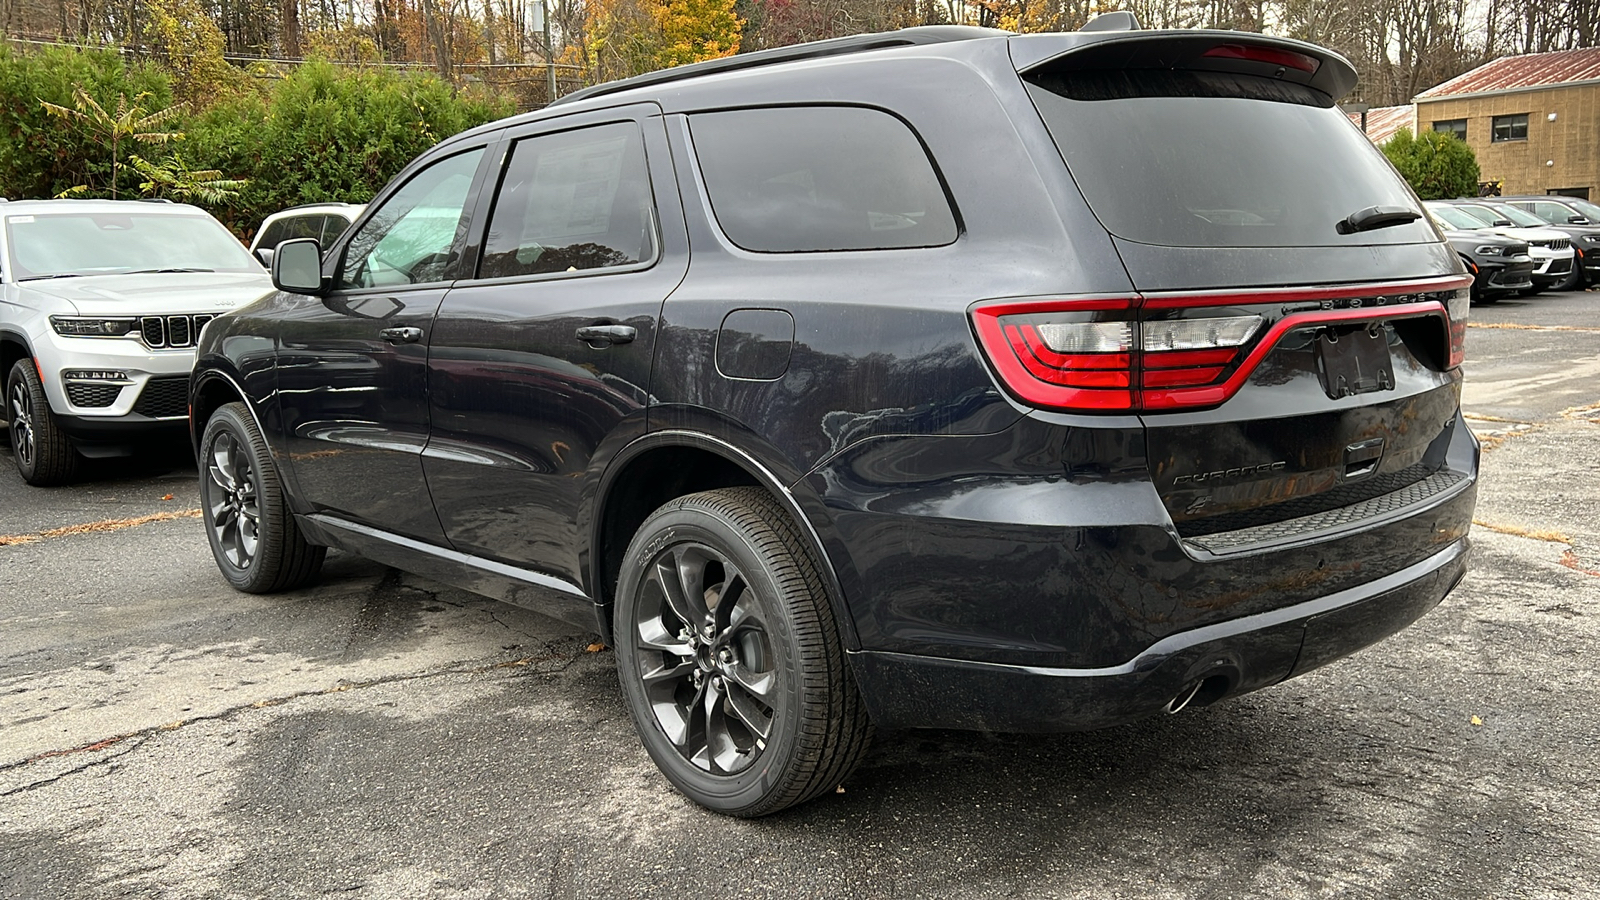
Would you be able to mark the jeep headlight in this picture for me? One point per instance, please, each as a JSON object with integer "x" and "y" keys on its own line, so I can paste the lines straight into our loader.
{"x": 1489, "y": 251}
{"x": 86, "y": 326}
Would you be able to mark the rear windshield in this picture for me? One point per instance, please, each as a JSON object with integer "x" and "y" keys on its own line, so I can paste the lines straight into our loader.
{"x": 1519, "y": 216}
{"x": 1456, "y": 218}
{"x": 1210, "y": 159}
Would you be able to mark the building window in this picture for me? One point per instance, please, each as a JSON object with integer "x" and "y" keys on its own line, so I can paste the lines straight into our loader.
{"x": 1457, "y": 127}
{"x": 1510, "y": 128}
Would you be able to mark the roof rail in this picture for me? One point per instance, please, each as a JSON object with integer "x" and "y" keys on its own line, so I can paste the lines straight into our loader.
{"x": 319, "y": 203}
{"x": 855, "y": 43}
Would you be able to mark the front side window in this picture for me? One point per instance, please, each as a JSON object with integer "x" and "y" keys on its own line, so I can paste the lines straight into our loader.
{"x": 801, "y": 179}
{"x": 572, "y": 201}
{"x": 1457, "y": 127}
{"x": 61, "y": 245}
{"x": 1510, "y": 128}
{"x": 413, "y": 237}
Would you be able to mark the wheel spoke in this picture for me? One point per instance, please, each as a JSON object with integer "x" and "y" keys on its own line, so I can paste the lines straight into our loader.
{"x": 668, "y": 672}
{"x": 756, "y": 716}
{"x": 758, "y": 685}
{"x": 653, "y": 635}
{"x": 668, "y": 573}
{"x": 733, "y": 590}
{"x": 721, "y": 748}
{"x": 221, "y": 469}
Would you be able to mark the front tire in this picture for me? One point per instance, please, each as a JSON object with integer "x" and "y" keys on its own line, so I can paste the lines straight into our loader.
{"x": 253, "y": 535}
{"x": 730, "y": 657}
{"x": 45, "y": 456}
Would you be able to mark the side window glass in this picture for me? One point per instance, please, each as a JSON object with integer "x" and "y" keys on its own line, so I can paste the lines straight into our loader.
{"x": 1553, "y": 212}
{"x": 411, "y": 239}
{"x": 820, "y": 178}
{"x": 332, "y": 227}
{"x": 572, "y": 201}
{"x": 301, "y": 227}
{"x": 274, "y": 234}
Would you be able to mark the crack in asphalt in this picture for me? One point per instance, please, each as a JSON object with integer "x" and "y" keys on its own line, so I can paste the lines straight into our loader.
{"x": 141, "y": 737}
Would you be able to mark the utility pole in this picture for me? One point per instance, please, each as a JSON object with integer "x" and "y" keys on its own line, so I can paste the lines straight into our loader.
{"x": 549, "y": 54}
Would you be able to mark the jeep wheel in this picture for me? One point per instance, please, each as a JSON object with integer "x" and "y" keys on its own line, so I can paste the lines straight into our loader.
{"x": 730, "y": 657}
{"x": 253, "y": 536}
{"x": 44, "y": 455}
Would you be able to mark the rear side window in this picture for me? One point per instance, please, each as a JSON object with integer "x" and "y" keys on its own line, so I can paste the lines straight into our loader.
{"x": 290, "y": 228}
{"x": 1213, "y": 159}
{"x": 572, "y": 201}
{"x": 798, "y": 179}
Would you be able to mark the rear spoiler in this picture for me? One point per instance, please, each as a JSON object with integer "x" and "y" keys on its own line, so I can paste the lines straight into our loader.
{"x": 1205, "y": 51}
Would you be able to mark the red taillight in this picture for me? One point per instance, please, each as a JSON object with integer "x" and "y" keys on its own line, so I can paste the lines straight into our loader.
{"x": 1067, "y": 354}
{"x": 1098, "y": 354}
{"x": 1269, "y": 55}
{"x": 1456, "y": 308}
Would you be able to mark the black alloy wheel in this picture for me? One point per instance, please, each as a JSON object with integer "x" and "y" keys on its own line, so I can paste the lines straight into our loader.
{"x": 705, "y": 658}
{"x": 730, "y": 657}
{"x": 44, "y": 455}
{"x": 254, "y": 539}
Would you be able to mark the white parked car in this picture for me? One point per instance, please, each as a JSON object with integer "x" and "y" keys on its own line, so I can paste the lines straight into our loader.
{"x": 323, "y": 221}
{"x": 1553, "y": 257}
{"x": 101, "y": 302}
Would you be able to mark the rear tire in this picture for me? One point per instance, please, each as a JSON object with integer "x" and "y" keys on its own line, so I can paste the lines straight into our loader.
{"x": 730, "y": 657}
{"x": 253, "y": 535}
{"x": 45, "y": 456}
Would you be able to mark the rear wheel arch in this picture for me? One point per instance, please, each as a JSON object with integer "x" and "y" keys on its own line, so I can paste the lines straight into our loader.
{"x": 663, "y": 466}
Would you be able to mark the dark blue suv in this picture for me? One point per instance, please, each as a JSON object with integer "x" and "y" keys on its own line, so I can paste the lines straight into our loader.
{"x": 943, "y": 377}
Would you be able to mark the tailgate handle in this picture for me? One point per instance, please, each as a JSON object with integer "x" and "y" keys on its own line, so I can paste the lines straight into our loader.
{"x": 1361, "y": 458}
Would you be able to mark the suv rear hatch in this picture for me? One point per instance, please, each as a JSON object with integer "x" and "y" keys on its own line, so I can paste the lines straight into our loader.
{"x": 1295, "y": 333}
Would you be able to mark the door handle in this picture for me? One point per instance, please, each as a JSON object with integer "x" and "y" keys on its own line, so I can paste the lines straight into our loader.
{"x": 607, "y": 334}
{"x": 401, "y": 335}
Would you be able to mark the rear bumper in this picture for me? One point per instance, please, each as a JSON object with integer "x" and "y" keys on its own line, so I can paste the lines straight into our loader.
{"x": 1229, "y": 658}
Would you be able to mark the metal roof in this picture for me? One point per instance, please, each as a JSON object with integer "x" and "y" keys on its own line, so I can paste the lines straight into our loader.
{"x": 1518, "y": 72}
{"x": 1384, "y": 121}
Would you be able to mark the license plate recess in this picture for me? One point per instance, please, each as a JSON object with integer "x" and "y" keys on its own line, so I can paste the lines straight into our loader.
{"x": 1354, "y": 360}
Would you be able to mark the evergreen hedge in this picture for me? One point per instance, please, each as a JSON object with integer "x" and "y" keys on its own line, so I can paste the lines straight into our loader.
{"x": 319, "y": 133}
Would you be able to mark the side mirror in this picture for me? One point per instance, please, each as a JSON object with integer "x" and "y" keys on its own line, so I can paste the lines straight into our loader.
{"x": 1504, "y": 223}
{"x": 297, "y": 267}
{"x": 265, "y": 255}
{"x": 1577, "y": 220}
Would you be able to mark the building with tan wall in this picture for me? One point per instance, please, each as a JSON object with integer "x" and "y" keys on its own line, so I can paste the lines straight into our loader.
{"x": 1533, "y": 120}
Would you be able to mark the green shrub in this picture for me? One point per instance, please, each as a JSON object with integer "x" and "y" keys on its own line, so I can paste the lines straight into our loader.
{"x": 325, "y": 134}
{"x": 1438, "y": 165}
{"x": 321, "y": 133}
{"x": 41, "y": 156}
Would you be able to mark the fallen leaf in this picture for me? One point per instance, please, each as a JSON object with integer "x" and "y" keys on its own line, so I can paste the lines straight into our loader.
{"x": 1477, "y": 721}
{"x": 166, "y": 497}
{"x": 595, "y": 647}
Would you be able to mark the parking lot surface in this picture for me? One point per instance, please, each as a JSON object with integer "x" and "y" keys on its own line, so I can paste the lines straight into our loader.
{"x": 384, "y": 736}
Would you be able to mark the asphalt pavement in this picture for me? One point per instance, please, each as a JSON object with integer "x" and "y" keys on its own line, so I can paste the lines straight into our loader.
{"x": 383, "y": 736}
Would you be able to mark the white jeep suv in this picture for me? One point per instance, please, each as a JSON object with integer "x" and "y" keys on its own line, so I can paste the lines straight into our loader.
{"x": 101, "y": 303}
